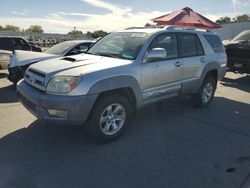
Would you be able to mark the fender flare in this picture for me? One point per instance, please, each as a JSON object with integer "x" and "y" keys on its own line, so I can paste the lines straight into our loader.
{"x": 118, "y": 82}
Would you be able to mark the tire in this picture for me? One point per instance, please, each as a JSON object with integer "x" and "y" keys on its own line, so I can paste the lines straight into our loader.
{"x": 107, "y": 121}
{"x": 205, "y": 95}
{"x": 15, "y": 75}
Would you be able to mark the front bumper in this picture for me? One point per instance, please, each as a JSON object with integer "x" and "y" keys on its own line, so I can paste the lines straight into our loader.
{"x": 4, "y": 64}
{"x": 37, "y": 102}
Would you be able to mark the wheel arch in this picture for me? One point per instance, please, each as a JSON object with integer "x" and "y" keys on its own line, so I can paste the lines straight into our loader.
{"x": 124, "y": 85}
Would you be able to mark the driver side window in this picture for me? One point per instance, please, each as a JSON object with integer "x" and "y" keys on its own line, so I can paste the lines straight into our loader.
{"x": 167, "y": 41}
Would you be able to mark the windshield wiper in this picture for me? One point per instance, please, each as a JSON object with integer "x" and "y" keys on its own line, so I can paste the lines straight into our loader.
{"x": 92, "y": 53}
{"x": 118, "y": 56}
{"x": 109, "y": 55}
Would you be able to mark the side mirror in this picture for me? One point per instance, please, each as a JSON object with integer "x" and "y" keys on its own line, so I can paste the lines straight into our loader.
{"x": 156, "y": 54}
{"x": 83, "y": 50}
{"x": 74, "y": 52}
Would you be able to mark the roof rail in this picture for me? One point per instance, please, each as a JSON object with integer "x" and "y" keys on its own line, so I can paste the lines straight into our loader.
{"x": 173, "y": 27}
{"x": 156, "y": 27}
{"x": 129, "y": 28}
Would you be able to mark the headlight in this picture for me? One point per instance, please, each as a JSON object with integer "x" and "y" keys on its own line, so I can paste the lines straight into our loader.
{"x": 62, "y": 84}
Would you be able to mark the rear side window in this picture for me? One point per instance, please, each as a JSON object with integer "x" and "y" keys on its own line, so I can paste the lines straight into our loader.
{"x": 215, "y": 43}
{"x": 23, "y": 44}
{"x": 6, "y": 44}
{"x": 190, "y": 45}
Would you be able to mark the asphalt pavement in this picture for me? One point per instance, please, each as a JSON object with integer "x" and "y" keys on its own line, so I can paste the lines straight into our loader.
{"x": 170, "y": 144}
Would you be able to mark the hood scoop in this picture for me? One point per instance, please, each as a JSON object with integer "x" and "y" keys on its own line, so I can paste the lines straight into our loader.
{"x": 69, "y": 59}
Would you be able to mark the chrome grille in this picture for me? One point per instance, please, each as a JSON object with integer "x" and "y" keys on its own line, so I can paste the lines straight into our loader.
{"x": 35, "y": 78}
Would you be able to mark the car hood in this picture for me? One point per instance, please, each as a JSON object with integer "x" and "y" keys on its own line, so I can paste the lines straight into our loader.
{"x": 6, "y": 52}
{"x": 77, "y": 65}
{"x": 229, "y": 43}
{"x": 22, "y": 58}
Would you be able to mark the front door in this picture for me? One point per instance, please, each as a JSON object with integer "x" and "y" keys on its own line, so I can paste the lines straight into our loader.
{"x": 162, "y": 77}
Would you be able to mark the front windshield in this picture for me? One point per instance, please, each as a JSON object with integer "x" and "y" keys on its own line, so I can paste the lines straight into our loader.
{"x": 124, "y": 45}
{"x": 245, "y": 36}
{"x": 60, "y": 48}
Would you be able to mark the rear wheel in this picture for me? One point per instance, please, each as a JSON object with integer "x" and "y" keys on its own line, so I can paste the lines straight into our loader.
{"x": 109, "y": 118}
{"x": 206, "y": 93}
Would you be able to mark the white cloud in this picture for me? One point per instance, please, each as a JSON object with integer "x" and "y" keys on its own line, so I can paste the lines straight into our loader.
{"x": 56, "y": 22}
{"x": 75, "y": 14}
{"x": 20, "y": 13}
{"x": 116, "y": 9}
{"x": 239, "y": 4}
{"x": 117, "y": 18}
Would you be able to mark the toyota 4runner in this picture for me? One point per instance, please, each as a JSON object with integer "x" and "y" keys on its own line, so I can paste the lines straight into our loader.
{"x": 121, "y": 73}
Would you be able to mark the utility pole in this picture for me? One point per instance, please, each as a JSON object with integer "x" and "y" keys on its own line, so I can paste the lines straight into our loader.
{"x": 74, "y": 33}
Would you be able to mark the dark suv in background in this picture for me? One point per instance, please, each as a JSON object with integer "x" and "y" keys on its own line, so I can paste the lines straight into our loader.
{"x": 15, "y": 43}
{"x": 9, "y": 44}
{"x": 238, "y": 52}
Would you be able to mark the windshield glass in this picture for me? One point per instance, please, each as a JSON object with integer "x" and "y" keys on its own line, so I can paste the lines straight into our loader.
{"x": 60, "y": 48}
{"x": 124, "y": 45}
{"x": 245, "y": 35}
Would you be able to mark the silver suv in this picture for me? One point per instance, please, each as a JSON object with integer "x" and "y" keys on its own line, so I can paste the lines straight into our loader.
{"x": 121, "y": 73}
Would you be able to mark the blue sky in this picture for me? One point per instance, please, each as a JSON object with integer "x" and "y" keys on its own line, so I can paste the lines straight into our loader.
{"x": 61, "y": 16}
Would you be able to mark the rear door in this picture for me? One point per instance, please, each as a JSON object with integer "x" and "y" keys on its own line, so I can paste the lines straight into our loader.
{"x": 192, "y": 55}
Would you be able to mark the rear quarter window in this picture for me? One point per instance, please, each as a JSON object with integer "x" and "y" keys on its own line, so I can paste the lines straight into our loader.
{"x": 215, "y": 43}
{"x": 190, "y": 45}
{"x": 5, "y": 44}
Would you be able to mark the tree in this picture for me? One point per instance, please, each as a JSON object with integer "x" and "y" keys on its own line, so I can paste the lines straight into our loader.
{"x": 99, "y": 33}
{"x": 148, "y": 25}
{"x": 1, "y": 28}
{"x": 11, "y": 28}
{"x": 151, "y": 25}
{"x": 35, "y": 29}
{"x": 89, "y": 34}
{"x": 224, "y": 20}
{"x": 242, "y": 18}
{"x": 75, "y": 32}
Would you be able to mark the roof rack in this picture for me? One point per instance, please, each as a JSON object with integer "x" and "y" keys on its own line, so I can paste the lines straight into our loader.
{"x": 129, "y": 28}
{"x": 157, "y": 27}
{"x": 173, "y": 27}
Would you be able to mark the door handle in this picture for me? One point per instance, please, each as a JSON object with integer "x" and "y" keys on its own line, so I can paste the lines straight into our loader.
{"x": 178, "y": 64}
{"x": 202, "y": 60}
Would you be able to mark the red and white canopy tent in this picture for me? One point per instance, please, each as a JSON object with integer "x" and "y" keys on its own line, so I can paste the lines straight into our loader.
{"x": 186, "y": 17}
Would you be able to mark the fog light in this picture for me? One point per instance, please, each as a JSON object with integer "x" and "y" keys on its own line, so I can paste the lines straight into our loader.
{"x": 58, "y": 113}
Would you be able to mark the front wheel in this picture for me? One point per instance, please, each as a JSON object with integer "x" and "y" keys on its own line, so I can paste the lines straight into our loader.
{"x": 206, "y": 93}
{"x": 109, "y": 118}
{"x": 15, "y": 75}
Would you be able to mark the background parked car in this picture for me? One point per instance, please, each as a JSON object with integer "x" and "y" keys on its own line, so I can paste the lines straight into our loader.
{"x": 9, "y": 44}
{"x": 238, "y": 52}
{"x": 5, "y": 56}
{"x": 21, "y": 60}
{"x": 34, "y": 47}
